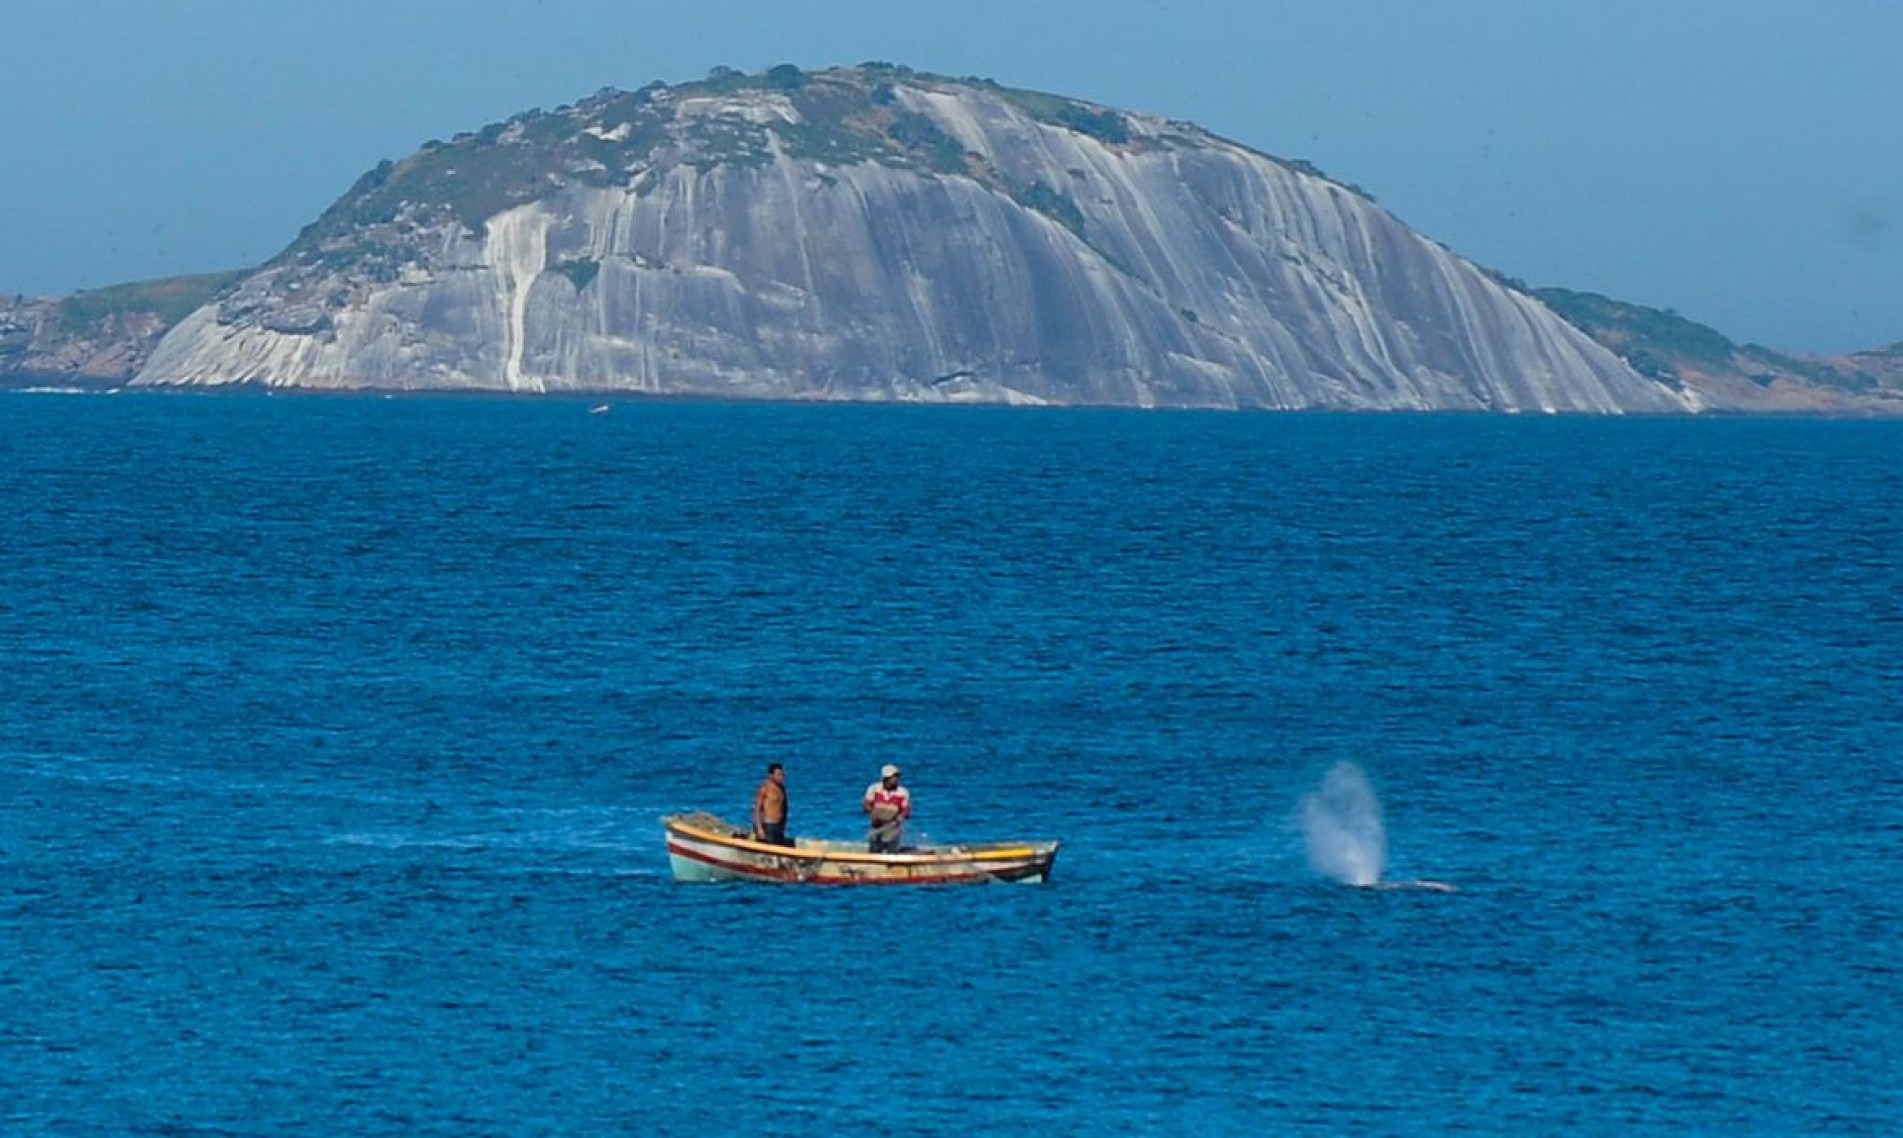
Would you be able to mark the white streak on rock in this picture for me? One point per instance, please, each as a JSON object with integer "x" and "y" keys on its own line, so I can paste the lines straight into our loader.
{"x": 517, "y": 249}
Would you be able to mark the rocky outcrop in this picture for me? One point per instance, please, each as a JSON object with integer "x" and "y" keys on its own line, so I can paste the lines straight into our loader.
{"x": 875, "y": 234}
{"x": 99, "y": 335}
{"x": 39, "y": 337}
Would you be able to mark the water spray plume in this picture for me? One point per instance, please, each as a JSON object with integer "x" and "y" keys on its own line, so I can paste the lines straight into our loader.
{"x": 1341, "y": 824}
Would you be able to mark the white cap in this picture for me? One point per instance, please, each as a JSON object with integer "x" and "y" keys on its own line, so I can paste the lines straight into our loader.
{"x": 888, "y": 771}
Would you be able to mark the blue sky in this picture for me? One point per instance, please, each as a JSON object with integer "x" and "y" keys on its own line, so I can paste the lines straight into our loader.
{"x": 1741, "y": 161}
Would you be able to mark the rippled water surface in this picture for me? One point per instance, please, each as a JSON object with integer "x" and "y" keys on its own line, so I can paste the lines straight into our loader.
{"x": 335, "y": 735}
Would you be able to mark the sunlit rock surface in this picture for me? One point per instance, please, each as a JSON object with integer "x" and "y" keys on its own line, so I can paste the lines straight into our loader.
{"x": 875, "y": 234}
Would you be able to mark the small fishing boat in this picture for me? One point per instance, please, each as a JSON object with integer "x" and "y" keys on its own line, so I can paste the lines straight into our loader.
{"x": 703, "y": 847}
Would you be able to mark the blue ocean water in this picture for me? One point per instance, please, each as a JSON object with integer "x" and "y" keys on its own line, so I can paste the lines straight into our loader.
{"x": 335, "y": 734}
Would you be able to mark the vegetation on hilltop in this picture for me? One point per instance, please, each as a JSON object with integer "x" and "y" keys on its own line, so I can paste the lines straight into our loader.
{"x": 169, "y": 299}
{"x": 844, "y": 116}
{"x": 1655, "y": 341}
{"x": 1662, "y": 344}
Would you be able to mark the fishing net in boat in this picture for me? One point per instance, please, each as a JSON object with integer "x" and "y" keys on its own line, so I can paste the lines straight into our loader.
{"x": 712, "y": 823}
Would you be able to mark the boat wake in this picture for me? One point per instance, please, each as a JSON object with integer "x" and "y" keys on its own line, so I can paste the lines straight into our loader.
{"x": 1342, "y": 828}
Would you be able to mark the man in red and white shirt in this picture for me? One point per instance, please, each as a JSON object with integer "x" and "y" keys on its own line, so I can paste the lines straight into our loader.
{"x": 887, "y": 805}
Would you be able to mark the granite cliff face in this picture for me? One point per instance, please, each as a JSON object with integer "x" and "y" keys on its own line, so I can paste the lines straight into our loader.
{"x": 876, "y": 234}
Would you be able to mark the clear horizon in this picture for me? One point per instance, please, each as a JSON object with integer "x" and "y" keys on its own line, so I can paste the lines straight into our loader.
{"x": 1727, "y": 161}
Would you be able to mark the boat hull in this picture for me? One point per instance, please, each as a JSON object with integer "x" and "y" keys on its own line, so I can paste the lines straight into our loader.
{"x": 703, "y": 848}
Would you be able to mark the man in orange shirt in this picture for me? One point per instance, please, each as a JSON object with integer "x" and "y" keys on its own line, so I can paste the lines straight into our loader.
{"x": 769, "y": 807}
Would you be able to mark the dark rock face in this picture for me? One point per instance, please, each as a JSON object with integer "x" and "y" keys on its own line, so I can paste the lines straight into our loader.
{"x": 874, "y": 234}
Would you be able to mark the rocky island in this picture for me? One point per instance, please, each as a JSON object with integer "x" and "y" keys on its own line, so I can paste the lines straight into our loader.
{"x": 873, "y": 233}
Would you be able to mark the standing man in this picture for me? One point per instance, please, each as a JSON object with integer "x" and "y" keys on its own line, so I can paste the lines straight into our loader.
{"x": 769, "y": 807}
{"x": 887, "y": 806}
